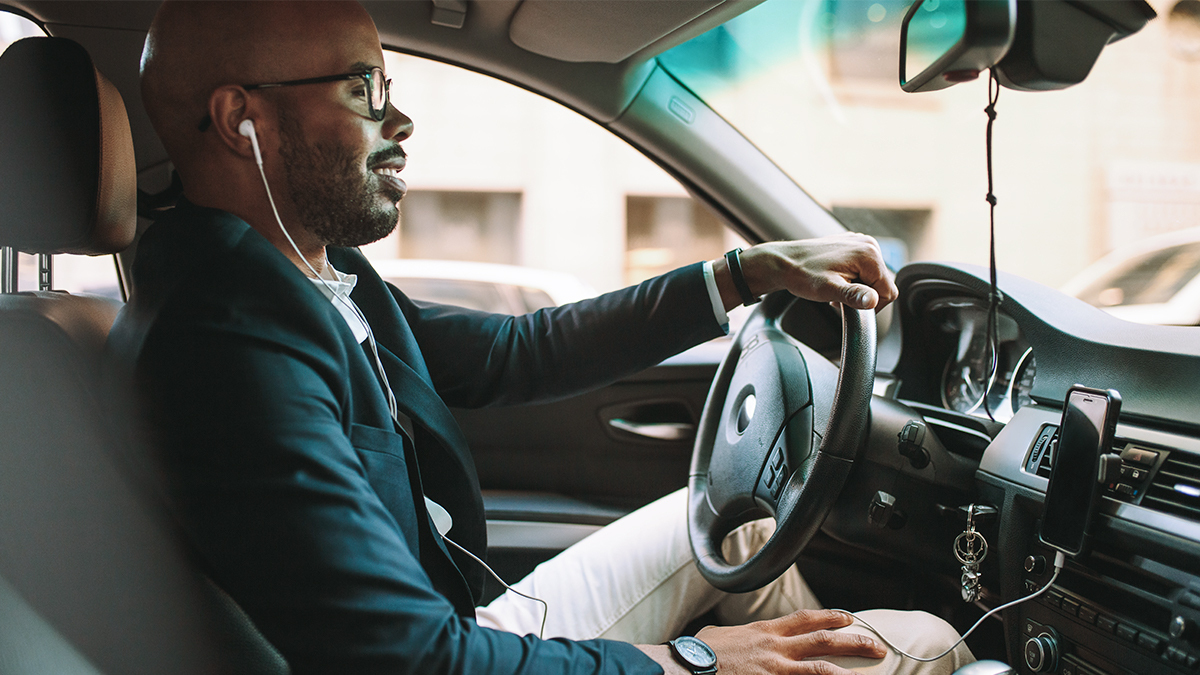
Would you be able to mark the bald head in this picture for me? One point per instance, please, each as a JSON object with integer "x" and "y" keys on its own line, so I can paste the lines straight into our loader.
{"x": 194, "y": 47}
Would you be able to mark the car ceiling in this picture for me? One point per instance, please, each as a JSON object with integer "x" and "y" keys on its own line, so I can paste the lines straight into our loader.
{"x": 588, "y": 54}
{"x": 535, "y": 44}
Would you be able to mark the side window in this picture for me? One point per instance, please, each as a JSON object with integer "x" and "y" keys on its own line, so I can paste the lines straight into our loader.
{"x": 534, "y": 199}
{"x": 70, "y": 272}
{"x": 14, "y": 27}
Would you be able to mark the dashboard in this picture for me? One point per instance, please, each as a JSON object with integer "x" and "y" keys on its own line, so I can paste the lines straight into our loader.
{"x": 1130, "y": 604}
{"x": 989, "y": 368}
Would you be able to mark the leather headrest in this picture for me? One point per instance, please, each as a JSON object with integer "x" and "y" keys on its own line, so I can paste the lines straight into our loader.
{"x": 68, "y": 180}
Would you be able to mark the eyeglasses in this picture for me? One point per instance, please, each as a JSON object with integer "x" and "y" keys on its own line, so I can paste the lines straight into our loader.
{"x": 378, "y": 90}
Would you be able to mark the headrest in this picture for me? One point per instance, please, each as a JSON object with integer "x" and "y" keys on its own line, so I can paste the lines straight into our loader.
{"x": 68, "y": 180}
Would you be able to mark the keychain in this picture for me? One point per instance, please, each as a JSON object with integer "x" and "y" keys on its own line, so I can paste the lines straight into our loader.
{"x": 970, "y": 548}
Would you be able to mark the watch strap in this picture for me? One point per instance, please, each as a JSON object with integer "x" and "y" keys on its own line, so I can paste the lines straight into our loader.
{"x": 734, "y": 261}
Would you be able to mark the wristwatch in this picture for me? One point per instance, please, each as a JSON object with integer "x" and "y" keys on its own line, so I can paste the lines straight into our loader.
{"x": 694, "y": 655}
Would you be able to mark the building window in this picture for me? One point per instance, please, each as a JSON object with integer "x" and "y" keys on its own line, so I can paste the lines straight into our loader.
{"x": 455, "y": 225}
{"x": 663, "y": 233}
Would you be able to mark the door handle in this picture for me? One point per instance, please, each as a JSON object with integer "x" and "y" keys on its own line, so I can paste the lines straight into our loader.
{"x": 659, "y": 431}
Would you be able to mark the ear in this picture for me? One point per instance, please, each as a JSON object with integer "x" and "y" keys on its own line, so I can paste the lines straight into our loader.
{"x": 228, "y": 106}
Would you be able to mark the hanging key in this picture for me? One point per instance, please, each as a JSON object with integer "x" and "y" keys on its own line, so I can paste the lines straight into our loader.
{"x": 970, "y": 548}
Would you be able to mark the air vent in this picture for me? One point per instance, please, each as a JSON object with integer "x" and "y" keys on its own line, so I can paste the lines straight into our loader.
{"x": 1041, "y": 455}
{"x": 1176, "y": 488}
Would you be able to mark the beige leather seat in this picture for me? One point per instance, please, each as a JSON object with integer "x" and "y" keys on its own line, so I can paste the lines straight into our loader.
{"x": 92, "y": 577}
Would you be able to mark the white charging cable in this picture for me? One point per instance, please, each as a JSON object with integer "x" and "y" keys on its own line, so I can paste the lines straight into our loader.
{"x": 1059, "y": 561}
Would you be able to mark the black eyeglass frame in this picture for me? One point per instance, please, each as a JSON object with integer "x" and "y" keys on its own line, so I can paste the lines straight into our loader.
{"x": 368, "y": 78}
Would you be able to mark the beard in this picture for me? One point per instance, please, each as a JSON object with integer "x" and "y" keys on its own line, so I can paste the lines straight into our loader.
{"x": 334, "y": 199}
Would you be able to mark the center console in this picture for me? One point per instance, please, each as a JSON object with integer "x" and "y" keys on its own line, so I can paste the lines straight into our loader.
{"x": 1131, "y": 603}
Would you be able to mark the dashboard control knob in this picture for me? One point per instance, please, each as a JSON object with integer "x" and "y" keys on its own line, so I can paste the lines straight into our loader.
{"x": 910, "y": 439}
{"x": 1035, "y": 564}
{"x": 1041, "y": 653}
{"x": 883, "y": 512}
{"x": 1182, "y": 627}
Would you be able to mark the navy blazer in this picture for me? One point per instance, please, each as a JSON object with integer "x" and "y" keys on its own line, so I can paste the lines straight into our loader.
{"x": 301, "y": 496}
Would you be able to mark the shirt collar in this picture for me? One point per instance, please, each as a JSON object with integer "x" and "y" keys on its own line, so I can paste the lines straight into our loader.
{"x": 337, "y": 291}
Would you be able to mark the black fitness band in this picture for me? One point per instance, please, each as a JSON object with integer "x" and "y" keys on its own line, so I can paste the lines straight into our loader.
{"x": 739, "y": 280}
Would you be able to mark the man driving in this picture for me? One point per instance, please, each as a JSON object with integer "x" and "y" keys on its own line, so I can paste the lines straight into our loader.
{"x": 301, "y": 403}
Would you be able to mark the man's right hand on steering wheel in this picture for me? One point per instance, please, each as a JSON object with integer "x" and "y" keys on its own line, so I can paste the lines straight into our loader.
{"x": 846, "y": 268}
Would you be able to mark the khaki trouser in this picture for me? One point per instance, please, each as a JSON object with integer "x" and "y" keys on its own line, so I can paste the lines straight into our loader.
{"x": 635, "y": 581}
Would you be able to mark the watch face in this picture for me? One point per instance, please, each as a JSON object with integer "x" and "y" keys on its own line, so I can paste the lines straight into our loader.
{"x": 695, "y": 652}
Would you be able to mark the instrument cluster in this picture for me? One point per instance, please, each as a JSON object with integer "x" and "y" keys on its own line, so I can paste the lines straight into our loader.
{"x": 989, "y": 372}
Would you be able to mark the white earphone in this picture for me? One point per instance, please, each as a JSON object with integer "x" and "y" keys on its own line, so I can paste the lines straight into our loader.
{"x": 246, "y": 128}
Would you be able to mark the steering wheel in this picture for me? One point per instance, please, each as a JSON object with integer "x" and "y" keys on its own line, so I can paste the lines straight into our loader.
{"x": 754, "y": 453}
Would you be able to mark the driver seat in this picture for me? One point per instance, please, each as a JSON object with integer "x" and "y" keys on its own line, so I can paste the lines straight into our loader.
{"x": 92, "y": 575}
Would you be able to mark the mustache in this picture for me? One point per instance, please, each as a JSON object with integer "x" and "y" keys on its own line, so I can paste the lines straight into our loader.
{"x": 386, "y": 155}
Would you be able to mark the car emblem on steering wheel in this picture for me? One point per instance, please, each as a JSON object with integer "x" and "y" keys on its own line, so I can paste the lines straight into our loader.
{"x": 745, "y": 414}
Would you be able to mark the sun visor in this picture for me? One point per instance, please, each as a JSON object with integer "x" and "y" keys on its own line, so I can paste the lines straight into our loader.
{"x": 601, "y": 30}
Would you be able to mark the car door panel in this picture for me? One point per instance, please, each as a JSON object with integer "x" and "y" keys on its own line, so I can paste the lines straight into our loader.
{"x": 554, "y": 473}
{"x": 621, "y": 446}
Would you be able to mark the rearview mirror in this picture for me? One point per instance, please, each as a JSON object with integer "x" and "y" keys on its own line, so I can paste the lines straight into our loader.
{"x": 943, "y": 42}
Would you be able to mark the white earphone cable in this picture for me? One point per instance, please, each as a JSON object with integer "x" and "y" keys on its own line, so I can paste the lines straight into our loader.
{"x": 545, "y": 605}
{"x": 391, "y": 398}
{"x": 387, "y": 388}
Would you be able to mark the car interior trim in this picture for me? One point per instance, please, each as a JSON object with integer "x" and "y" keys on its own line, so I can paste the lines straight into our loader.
{"x": 771, "y": 198}
{"x": 524, "y": 534}
{"x": 944, "y": 424}
{"x": 567, "y": 31}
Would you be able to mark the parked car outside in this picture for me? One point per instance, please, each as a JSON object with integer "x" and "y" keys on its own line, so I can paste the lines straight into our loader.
{"x": 490, "y": 287}
{"x": 1156, "y": 281}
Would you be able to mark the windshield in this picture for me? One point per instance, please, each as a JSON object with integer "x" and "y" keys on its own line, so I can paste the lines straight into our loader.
{"x": 1079, "y": 173}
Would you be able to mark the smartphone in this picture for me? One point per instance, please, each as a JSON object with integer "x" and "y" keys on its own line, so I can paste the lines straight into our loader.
{"x": 1089, "y": 421}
